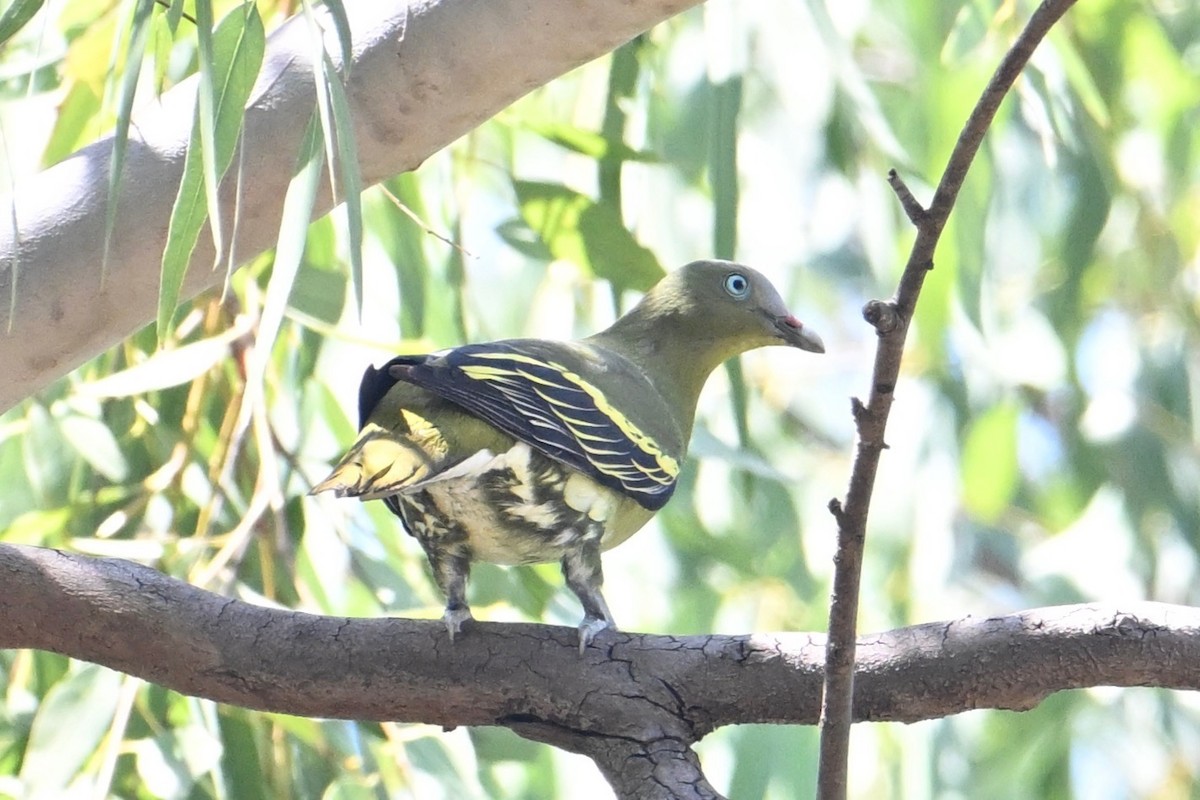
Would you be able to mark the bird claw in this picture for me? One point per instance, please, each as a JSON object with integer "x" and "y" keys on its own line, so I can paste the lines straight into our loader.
{"x": 454, "y": 619}
{"x": 589, "y": 628}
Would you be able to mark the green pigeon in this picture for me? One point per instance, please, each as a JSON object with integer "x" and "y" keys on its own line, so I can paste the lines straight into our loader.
{"x": 526, "y": 450}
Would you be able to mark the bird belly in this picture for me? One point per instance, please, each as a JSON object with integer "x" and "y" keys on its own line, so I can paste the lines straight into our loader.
{"x": 519, "y": 507}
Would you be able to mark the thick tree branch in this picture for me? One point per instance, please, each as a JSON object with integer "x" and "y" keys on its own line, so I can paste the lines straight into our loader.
{"x": 423, "y": 74}
{"x": 664, "y": 767}
{"x": 636, "y": 708}
{"x": 891, "y": 321}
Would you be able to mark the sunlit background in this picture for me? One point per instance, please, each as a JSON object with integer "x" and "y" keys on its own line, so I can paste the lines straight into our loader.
{"x": 1043, "y": 441}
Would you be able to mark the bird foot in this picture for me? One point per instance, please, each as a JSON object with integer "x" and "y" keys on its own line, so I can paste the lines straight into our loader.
{"x": 589, "y": 628}
{"x": 454, "y": 619}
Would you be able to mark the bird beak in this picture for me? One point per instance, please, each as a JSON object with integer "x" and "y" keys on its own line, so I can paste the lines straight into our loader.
{"x": 794, "y": 333}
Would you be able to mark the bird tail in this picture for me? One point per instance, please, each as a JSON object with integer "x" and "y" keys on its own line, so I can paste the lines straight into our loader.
{"x": 376, "y": 466}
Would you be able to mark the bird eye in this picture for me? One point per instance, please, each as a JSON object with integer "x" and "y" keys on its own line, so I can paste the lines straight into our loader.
{"x": 737, "y": 285}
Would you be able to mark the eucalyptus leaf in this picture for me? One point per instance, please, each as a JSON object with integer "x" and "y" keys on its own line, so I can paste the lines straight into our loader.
{"x": 237, "y": 50}
{"x": 577, "y": 229}
{"x": 134, "y": 51}
{"x": 95, "y": 443}
{"x": 16, "y": 16}
{"x": 70, "y": 722}
{"x": 989, "y": 462}
{"x": 166, "y": 368}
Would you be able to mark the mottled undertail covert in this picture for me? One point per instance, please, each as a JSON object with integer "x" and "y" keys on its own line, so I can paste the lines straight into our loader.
{"x": 525, "y": 450}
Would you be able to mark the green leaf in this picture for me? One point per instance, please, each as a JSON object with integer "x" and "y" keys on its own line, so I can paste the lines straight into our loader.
{"x": 129, "y": 80}
{"x": 95, "y": 443}
{"x": 588, "y": 143}
{"x": 39, "y": 527}
{"x": 341, "y": 24}
{"x": 349, "y": 788}
{"x": 347, "y": 166}
{"x": 319, "y": 293}
{"x": 15, "y": 17}
{"x": 321, "y": 84}
{"x": 613, "y": 253}
{"x": 722, "y": 165}
{"x": 298, "y": 206}
{"x": 970, "y": 29}
{"x": 70, "y": 722}
{"x": 75, "y": 113}
{"x": 161, "y": 770}
{"x": 297, "y": 211}
{"x": 241, "y": 756}
{"x": 166, "y": 368}
{"x": 575, "y": 228}
{"x": 989, "y": 462}
{"x": 237, "y": 45}
{"x": 174, "y": 14}
{"x": 333, "y": 109}
{"x": 187, "y": 217}
{"x": 401, "y": 240}
{"x": 170, "y": 763}
{"x": 553, "y": 211}
{"x": 206, "y": 114}
{"x": 723, "y": 178}
{"x": 47, "y": 462}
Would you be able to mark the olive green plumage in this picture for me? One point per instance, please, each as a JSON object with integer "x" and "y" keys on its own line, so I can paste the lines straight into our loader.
{"x": 525, "y": 450}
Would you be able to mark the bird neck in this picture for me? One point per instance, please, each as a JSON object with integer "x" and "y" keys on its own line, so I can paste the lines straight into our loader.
{"x": 674, "y": 352}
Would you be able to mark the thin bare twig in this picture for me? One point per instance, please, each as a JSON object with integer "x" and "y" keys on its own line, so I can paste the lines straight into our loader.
{"x": 408, "y": 212}
{"x": 891, "y": 320}
{"x": 915, "y": 211}
{"x": 183, "y": 14}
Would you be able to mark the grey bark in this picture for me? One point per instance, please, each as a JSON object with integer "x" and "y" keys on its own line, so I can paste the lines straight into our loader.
{"x": 641, "y": 687}
{"x": 422, "y": 75}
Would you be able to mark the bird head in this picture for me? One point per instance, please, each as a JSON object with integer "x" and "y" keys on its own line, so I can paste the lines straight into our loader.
{"x": 726, "y": 307}
{"x": 694, "y": 319}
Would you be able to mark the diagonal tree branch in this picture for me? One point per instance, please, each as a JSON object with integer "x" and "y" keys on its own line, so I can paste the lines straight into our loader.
{"x": 635, "y": 709}
{"x": 423, "y": 75}
{"x": 891, "y": 320}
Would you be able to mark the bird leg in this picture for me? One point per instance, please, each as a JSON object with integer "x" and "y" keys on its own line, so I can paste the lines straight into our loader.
{"x": 584, "y": 575}
{"x": 451, "y": 568}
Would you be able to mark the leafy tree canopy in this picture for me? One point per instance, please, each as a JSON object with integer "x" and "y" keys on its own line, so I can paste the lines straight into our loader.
{"x": 1043, "y": 444}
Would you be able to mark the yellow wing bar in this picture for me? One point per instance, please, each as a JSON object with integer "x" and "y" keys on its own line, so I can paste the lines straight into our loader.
{"x": 555, "y": 410}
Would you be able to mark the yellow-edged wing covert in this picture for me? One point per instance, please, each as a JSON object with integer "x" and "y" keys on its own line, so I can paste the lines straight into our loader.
{"x": 538, "y": 399}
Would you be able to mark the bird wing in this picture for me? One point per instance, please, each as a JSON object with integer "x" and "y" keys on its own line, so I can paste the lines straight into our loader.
{"x": 538, "y": 400}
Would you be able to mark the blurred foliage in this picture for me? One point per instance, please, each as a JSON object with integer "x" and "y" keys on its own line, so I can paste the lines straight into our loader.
{"x": 1044, "y": 443}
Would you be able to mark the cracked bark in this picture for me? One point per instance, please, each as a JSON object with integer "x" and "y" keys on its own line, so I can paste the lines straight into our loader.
{"x": 634, "y": 705}
{"x": 655, "y": 767}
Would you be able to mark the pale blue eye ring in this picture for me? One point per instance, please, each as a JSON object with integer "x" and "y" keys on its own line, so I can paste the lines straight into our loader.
{"x": 737, "y": 285}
